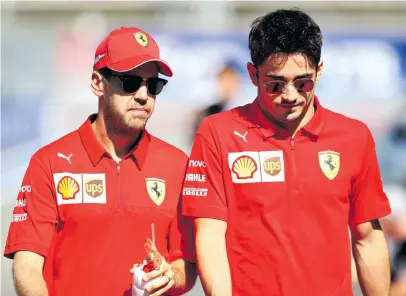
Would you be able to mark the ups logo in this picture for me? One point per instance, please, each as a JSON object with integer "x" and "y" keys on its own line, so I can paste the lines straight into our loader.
{"x": 94, "y": 188}
{"x": 273, "y": 165}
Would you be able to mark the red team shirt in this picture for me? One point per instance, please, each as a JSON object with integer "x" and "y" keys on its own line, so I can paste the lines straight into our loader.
{"x": 89, "y": 216}
{"x": 287, "y": 202}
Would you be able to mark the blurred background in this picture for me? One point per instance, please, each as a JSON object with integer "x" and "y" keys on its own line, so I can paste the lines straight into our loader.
{"x": 47, "y": 52}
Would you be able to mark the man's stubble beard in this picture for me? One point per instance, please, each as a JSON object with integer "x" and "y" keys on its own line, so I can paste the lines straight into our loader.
{"x": 122, "y": 126}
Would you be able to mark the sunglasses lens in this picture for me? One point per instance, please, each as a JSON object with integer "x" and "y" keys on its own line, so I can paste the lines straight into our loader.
{"x": 155, "y": 86}
{"x": 303, "y": 85}
{"x": 275, "y": 86}
{"x": 131, "y": 84}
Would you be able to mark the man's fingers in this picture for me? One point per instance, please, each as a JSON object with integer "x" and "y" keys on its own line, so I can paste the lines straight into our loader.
{"x": 150, "y": 246}
{"x": 151, "y": 275}
{"x": 165, "y": 267}
{"x": 161, "y": 287}
{"x": 155, "y": 273}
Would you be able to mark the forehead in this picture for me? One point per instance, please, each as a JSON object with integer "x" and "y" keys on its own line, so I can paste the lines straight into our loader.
{"x": 149, "y": 69}
{"x": 287, "y": 65}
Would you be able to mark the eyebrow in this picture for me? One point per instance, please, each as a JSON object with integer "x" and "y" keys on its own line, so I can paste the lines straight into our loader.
{"x": 277, "y": 77}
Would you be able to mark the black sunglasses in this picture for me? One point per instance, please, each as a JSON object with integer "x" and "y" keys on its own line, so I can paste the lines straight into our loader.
{"x": 131, "y": 83}
{"x": 278, "y": 86}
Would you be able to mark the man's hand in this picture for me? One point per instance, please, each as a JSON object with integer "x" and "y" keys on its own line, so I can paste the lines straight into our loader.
{"x": 165, "y": 275}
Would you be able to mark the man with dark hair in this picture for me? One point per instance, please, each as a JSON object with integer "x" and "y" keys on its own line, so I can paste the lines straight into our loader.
{"x": 282, "y": 178}
{"x": 89, "y": 200}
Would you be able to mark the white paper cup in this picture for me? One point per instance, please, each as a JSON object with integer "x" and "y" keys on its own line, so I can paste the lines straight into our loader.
{"x": 139, "y": 284}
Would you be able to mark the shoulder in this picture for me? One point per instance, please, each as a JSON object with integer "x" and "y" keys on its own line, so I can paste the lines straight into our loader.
{"x": 44, "y": 160}
{"x": 169, "y": 151}
{"x": 68, "y": 142}
{"x": 336, "y": 122}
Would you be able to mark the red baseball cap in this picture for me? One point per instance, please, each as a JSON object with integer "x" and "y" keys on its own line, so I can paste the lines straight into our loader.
{"x": 127, "y": 48}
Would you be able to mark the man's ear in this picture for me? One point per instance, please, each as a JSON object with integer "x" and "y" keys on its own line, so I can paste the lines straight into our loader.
{"x": 253, "y": 72}
{"x": 319, "y": 71}
{"x": 97, "y": 84}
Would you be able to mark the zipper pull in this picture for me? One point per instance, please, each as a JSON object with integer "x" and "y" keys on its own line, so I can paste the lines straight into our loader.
{"x": 118, "y": 167}
{"x": 292, "y": 142}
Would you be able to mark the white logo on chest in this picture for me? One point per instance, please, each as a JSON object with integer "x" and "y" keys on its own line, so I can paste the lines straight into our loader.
{"x": 241, "y": 136}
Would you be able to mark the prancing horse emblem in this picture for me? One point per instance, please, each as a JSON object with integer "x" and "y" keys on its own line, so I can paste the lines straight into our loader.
{"x": 156, "y": 190}
{"x": 329, "y": 163}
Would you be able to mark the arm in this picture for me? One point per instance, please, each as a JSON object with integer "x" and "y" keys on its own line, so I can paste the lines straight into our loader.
{"x": 32, "y": 230}
{"x": 184, "y": 277}
{"x": 212, "y": 258}
{"x": 27, "y": 274}
{"x": 371, "y": 258}
{"x": 182, "y": 261}
{"x": 206, "y": 204}
{"x": 368, "y": 203}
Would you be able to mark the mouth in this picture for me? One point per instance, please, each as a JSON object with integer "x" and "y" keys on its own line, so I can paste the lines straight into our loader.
{"x": 139, "y": 111}
{"x": 289, "y": 105}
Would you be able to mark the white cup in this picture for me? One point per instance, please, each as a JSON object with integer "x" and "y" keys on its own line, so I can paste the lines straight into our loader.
{"x": 139, "y": 284}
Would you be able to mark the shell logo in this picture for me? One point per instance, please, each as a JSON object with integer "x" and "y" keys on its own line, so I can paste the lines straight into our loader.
{"x": 68, "y": 187}
{"x": 244, "y": 167}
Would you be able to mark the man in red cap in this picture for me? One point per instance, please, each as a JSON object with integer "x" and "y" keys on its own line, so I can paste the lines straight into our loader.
{"x": 89, "y": 200}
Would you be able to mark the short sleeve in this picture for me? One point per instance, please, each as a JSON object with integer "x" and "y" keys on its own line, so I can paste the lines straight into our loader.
{"x": 35, "y": 215}
{"x": 203, "y": 193}
{"x": 367, "y": 199}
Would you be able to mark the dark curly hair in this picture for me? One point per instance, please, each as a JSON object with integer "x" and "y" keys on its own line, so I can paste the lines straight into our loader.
{"x": 285, "y": 31}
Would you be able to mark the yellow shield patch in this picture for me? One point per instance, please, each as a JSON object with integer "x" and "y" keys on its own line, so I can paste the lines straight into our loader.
{"x": 156, "y": 190}
{"x": 329, "y": 163}
{"x": 141, "y": 39}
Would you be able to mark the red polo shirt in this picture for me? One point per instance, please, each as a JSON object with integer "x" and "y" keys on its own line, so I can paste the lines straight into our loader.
{"x": 287, "y": 202}
{"x": 89, "y": 216}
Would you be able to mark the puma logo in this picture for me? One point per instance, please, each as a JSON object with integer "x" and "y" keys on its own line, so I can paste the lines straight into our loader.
{"x": 66, "y": 157}
{"x": 241, "y": 136}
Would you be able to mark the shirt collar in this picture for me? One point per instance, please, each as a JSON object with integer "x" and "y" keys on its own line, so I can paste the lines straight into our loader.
{"x": 96, "y": 151}
{"x": 269, "y": 128}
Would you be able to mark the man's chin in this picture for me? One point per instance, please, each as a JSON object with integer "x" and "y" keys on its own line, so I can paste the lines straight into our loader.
{"x": 136, "y": 125}
{"x": 292, "y": 117}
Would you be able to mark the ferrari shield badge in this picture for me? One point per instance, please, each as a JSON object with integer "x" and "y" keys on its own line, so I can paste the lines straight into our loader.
{"x": 141, "y": 39}
{"x": 156, "y": 190}
{"x": 329, "y": 163}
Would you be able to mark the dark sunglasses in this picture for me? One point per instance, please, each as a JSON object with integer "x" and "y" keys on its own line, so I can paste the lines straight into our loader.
{"x": 277, "y": 86}
{"x": 131, "y": 83}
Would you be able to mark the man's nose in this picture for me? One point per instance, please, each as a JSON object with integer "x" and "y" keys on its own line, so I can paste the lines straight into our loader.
{"x": 290, "y": 94}
{"x": 142, "y": 93}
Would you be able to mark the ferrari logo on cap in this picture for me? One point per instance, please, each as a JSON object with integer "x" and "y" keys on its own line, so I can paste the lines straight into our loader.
{"x": 156, "y": 190}
{"x": 329, "y": 163}
{"x": 141, "y": 39}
